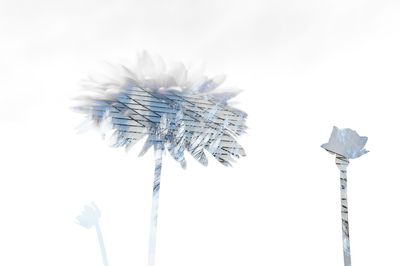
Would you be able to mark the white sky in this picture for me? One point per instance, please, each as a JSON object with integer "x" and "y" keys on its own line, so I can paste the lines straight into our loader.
{"x": 304, "y": 66}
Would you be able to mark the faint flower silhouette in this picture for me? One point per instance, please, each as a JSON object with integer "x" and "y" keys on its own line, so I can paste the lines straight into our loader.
{"x": 89, "y": 218}
{"x": 345, "y": 144}
{"x": 177, "y": 110}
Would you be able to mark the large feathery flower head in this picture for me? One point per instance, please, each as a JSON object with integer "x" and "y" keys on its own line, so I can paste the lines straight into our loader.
{"x": 176, "y": 108}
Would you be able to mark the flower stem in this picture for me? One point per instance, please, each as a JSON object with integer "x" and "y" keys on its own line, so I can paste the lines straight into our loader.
{"x": 342, "y": 164}
{"x": 154, "y": 209}
{"x": 101, "y": 243}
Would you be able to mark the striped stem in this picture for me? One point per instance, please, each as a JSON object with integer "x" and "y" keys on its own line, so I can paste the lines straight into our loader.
{"x": 342, "y": 163}
{"x": 158, "y": 151}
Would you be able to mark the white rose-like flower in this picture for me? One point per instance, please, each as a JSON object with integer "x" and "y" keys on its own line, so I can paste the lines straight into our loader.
{"x": 346, "y": 142}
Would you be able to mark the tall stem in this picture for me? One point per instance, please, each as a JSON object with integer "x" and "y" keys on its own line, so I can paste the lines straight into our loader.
{"x": 154, "y": 209}
{"x": 101, "y": 243}
{"x": 342, "y": 164}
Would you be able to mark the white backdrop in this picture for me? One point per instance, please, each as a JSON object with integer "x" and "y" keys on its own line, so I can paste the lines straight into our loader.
{"x": 304, "y": 66}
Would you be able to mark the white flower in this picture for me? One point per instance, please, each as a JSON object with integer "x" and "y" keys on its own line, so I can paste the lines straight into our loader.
{"x": 89, "y": 217}
{"x": 178, "y": 109}
{"x": 346, "y": 142}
